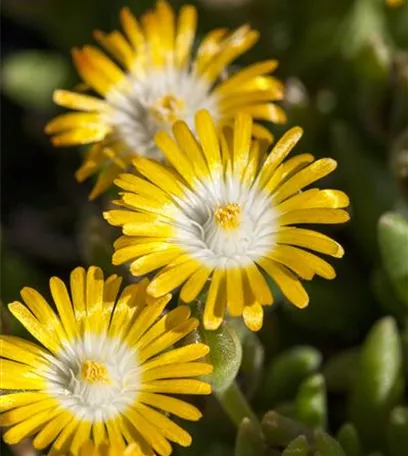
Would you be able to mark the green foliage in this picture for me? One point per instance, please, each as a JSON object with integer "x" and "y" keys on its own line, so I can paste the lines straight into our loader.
{"x": 349, "y": 440}
{"x": 285, "y": 373}
{"x": 249, "y": 440}
{"x": 379, "y": 384}
{"x": 30, "y": 77}
{"x": 328, "y": 380}
{"x": 225, "y": 352}
{"x": 393, "y": 239}
{"x": 311, "y": 402}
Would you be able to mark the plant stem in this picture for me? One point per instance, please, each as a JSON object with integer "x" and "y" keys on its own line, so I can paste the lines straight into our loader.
{"x": 236, "y": 406}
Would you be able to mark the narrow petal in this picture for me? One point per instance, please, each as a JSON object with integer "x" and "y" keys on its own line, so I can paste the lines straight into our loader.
{"x": 216, "y": 301}
{"x": 185, "y": 386}
{"x": 170, "y": 430}
{"x": 253, "y": 316}
{"x": 186, "y": 28}
{"x": 170, "y": 404}
{"x": 287, "y": 282}
{"x": 169, "y": 338}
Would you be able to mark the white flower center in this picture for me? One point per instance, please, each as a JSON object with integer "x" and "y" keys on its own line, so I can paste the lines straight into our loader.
{"x": 154, "y": 104}
{"x": 226, "y": 224}
{"x": 95, "y": 378}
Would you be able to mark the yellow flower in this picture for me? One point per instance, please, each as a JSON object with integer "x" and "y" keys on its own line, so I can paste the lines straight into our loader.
{"x": 225, "y": 214}
{"x": 158, "y": 78}
{"x": 105, "y": 367}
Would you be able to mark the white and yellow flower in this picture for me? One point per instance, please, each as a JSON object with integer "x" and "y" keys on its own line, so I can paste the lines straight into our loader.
{"x": 225, "y": 214}
{"x": 104, "y": 369}
{"x": 157, "y": 78}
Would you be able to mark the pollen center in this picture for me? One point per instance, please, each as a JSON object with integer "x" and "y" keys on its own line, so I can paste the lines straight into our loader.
{"x": 228, "y": 217}
{"x": 167, "y": 108}
{"x": 94, "y": 372}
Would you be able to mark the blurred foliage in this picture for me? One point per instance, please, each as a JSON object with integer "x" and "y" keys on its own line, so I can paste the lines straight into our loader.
{"x": 328, "y": 380}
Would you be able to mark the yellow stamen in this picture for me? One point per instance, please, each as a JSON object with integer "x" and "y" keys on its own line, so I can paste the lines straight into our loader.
{"x": 94, "y": 372}
{"x": 167, "y": 109}
{"x": 228, "y": 216}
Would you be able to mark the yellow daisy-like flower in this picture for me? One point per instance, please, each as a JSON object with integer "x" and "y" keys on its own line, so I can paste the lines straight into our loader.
{"x": 104, "y": 370}
{"x": 224, "y": 214}
{"x": 158, "y": 79}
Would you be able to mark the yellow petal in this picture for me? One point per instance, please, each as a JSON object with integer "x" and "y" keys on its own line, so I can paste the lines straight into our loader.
{"x": 166, "y": 281}
{"x": 165, "y": 324}
{"x": 280, "y": 151}
{"x": 195, "y": 283}
{"x": 170, "y": 404}
{"x": 237, "y": 43}
{"x": 51, "y": 430}
{"x": 314, "y": 216}
{"x": 151, "y": 433}
{"x": 22, "y": 351}
{"x": 311, "y": 240}
{"x": 253, "y": 316}
{"x": 207, "y": 134}
{"x": 287, "y": 282}
{"x": 132, "y": 28}
{"x": 185, "y": 386}
{"x": 82, "y": 135}
{"x": 153, "y": 261}
{"x": 242, "y": 143}
{"x": 184, "y": 354}
{"x": 64, "y": 306}
{"x": 186, "y": 27}
{"x": 29, "y": 426}
{"x": 116, "y": 44}
{"x": 235, "y": 291}
{"x": 216, "y": 301}
{"x": 306, "y": 176}
{"x": 258, "y": 285}
{"x": 170, "y": 430}
{"x": 167, "y": 339}
{"x": 175, "y": 156}
{"x": 146, "y": 319}
{"x": 177, "y": 371}
{"x": 77, "y": 101}
{"x": 233, "y": 83}
{"x": 89, "y": 73}
{"x": 46, "y": 335}
{"x": 15, "y": 400}
{"x": 159, "y": 175}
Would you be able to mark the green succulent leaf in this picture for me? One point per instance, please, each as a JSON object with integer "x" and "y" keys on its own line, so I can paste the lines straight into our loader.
{"x": 397, "y": 432}
{"x": 249, "y": 440}
{"x": 225, "y": 351}
{"x": 393, "y": 240}
{"x": 311, "y": 402}
{"x": 280, "y": 430}
{"x": 349, "y": 440}
{"x": 327, "y": 446}
{"x": 29, "y": 77}
{"x": 298, "y": 447}
{"x": 379, "y": 384}
{"x": 286, "y": 372}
